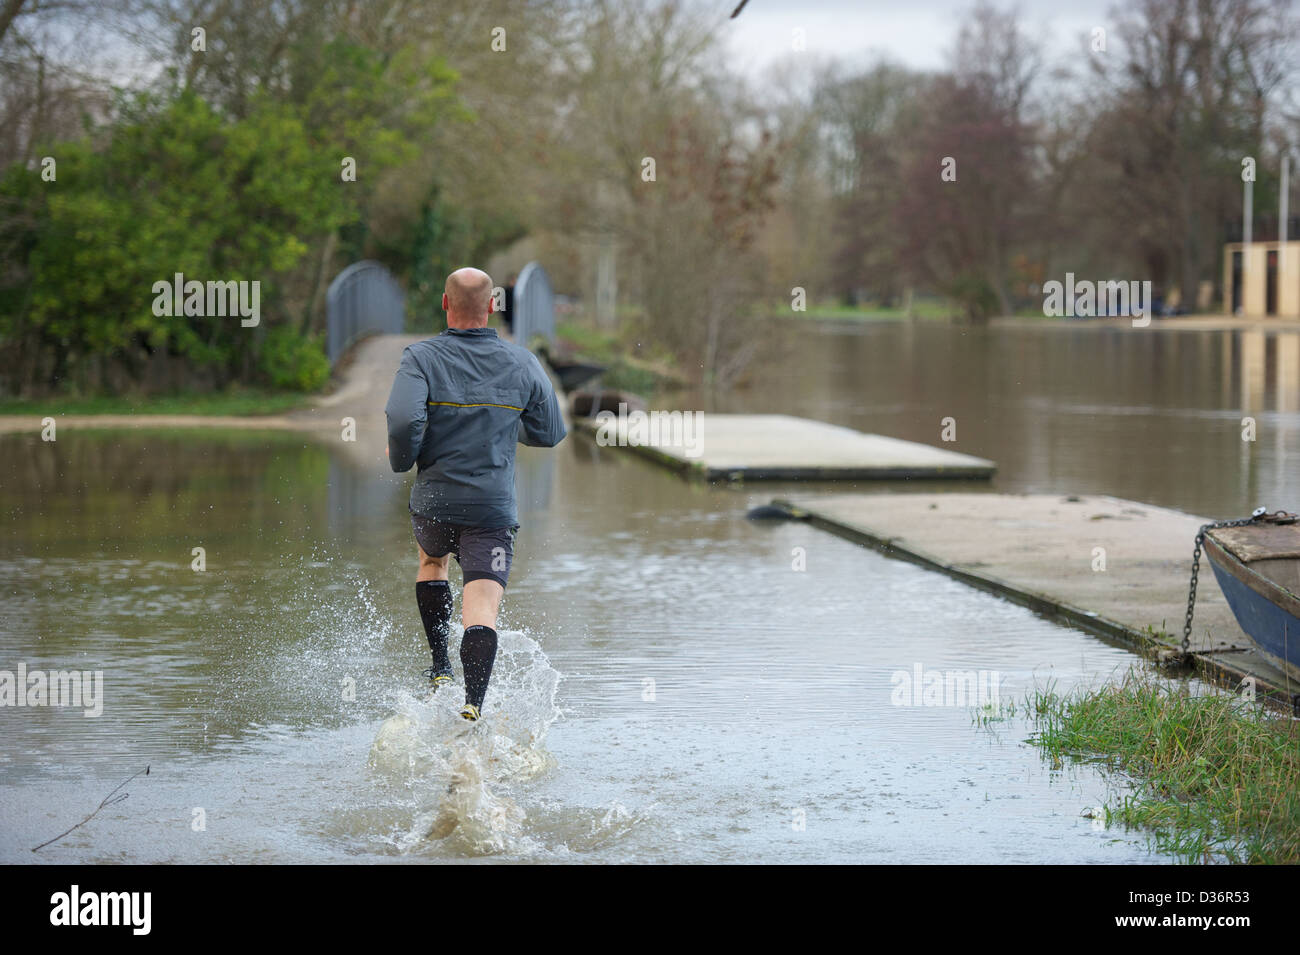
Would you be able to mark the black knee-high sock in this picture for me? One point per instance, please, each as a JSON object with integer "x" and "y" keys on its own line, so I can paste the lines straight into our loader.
{"x": 478, "y": 648}
{"x": 434, "y": 598}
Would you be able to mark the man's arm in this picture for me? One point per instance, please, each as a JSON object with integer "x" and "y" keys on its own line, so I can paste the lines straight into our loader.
{"x": 541, "y": 425}
{"x": 407, "y": 412}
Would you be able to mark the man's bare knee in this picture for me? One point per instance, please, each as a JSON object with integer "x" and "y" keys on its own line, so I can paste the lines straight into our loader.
{"x": 480, "y": 600}
{"x": 431, "y": 568}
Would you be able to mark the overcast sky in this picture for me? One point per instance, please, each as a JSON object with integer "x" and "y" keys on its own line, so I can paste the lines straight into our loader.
{"x": 915, "y": 33}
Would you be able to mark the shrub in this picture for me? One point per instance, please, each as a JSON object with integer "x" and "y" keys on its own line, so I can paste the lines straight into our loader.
{"x": 293, "y": 361}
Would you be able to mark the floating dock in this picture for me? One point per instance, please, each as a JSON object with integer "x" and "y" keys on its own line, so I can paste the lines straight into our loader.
{"x": 1116, "y": 568}
{"x": 749, "y": 447}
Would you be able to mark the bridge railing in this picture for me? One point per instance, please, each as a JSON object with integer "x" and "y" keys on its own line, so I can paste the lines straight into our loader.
{"x": 364, "y": 299}
{"x": 534, "y": 305}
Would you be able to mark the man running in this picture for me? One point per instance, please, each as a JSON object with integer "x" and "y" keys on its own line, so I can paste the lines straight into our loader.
{"x": 459, "y": 404}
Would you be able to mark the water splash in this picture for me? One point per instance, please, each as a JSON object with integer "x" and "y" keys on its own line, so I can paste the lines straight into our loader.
{"x": 461, "y": 773}
{"x": 327, "y": 635}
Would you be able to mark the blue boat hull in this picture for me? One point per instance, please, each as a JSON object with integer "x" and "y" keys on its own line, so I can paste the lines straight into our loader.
{"x": 1269, "y": 615}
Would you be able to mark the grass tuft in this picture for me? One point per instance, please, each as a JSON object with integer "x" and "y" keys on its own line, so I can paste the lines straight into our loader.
{"x": 1218, "y": 777}
{"x": 234, "y": 402}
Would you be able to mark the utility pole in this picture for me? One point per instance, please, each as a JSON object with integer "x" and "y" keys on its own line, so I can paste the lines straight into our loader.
{"x": 1282, "y": 211}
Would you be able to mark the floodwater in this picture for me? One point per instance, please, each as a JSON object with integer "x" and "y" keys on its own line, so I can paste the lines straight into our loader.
{"x": 1153, "y": 415}
{"x": 669, "y": 688}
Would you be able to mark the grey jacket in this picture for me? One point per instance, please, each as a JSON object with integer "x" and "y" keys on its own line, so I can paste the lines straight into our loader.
{"x": 459, "y": 404}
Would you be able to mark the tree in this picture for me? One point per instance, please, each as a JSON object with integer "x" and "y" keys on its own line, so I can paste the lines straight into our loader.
{"x": 865, "y": 123}
{"x": 176, "y": 189}
{"x": 1187, "y": 97}
{"x": 701, "y": 275}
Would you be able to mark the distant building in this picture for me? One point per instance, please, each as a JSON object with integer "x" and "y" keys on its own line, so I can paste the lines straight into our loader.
{"x": 1263, "y": 283}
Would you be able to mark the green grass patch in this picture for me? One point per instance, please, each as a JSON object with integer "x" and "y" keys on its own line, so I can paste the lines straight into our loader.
{"x": 921, "y": 308}
{"x": 629, "y": 366}
{"x": 1217, "y": 777}
{"x": 240, "y": 403}
{"x": 589, "y": 343}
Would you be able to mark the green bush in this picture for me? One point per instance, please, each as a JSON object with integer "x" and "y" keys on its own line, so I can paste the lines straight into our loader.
{"x": 976, "y": 296}
{"x": 292, "y": 361}
{"x": 236, "y": 189}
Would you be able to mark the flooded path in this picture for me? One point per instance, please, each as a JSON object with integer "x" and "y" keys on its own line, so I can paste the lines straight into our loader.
{"x": 671, "y": 687}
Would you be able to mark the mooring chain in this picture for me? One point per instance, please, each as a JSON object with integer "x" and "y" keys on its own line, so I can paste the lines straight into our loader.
{"x": 1257, "y": 516}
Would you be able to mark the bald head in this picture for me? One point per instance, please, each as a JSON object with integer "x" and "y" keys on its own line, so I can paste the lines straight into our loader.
{"x": 467, "y": 298}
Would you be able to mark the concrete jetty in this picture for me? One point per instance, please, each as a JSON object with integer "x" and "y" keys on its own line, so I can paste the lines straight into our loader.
{"x": 746, "y": 447}
{"x": 1117, "y": 568}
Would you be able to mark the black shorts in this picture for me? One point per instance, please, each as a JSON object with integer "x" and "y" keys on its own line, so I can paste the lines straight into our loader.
{"x": 484, "y": 553}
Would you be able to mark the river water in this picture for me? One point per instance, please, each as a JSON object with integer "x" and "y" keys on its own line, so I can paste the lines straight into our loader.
{"x": 670, "y": 687}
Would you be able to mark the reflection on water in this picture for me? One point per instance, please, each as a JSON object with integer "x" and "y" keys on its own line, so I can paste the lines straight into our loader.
{"x": 669, "y": 689}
